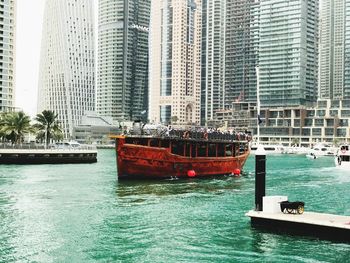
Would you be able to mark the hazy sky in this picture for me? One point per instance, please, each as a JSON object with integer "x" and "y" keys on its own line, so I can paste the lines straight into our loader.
{"x": 28, "y": 42}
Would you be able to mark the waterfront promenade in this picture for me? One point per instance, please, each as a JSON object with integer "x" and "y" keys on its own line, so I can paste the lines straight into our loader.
{"x": 53, "y": 154}
{"x": 81, "y": 213}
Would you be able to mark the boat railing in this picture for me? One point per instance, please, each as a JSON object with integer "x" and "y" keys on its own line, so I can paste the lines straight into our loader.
{"x": 9, "y": 146}
{"x": 198, "y": 135}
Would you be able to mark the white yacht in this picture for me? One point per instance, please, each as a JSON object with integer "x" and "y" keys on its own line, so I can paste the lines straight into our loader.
{"x": 323, "y": 149}
{"x": 342, "y": 157}
{"x": 269, "y": 148}
{"x": 296, "y": 150}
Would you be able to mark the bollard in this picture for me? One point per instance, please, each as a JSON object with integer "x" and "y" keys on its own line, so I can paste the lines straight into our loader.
{"x": 260, "y": 177}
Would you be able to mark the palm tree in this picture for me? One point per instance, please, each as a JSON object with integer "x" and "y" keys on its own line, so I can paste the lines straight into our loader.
{"x": 48, "y": 126}
{"x": 2, "y": 134}
{"x": 15, "y": 125}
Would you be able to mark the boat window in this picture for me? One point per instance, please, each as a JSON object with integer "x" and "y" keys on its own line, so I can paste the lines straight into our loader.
{"x": 188, "y": 149}
{"x": 221, "y": 150}
{"x": 269, "y": 148}
{"x": 144, "y": 141}
{"x": 212, "y": 150}
{"x": 164, "y": 143}
{"x": 344, "y": 148}
{"x": 177, "y": 148}
{"x": 345, "y": 158}
{"x": 194, "y": 153}
{"x": 154, "y": 143}
{"x": 241, "y": 148}
{"x": 228, "y": 150}
{"x": 132, "y": 141}
{"x": 323, "y": 149}
{"x": 202, "y": 150}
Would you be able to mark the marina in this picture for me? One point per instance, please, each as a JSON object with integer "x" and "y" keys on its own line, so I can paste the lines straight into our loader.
{"x": 82, "y": 213}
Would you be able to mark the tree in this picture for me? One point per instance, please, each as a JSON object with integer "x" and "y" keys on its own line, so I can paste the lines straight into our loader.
{"x": 14, "y": 125}
{"x": 295, "y": 141}
{"x": 174, "y": 119}
{"x": 48, "y": 126}
{"x": 2, "y": 134}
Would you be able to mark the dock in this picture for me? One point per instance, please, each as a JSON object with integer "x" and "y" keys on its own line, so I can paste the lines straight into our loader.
{"x": 47, "y": 156}
{"x": 277, "y": 214}
{"x": 325, "y": 226}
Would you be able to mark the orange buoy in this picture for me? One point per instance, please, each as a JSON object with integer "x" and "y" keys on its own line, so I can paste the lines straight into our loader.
{"x": 236, "y": 172}
{"x": 191, "y": 173}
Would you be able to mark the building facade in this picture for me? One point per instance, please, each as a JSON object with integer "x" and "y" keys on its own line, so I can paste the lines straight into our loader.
{"x": 95, "y": 129}
{"x": 327, "y": 122}
{"x": 122, "y": 81}
{"x": 288, "y": 52}
{"x": 7, "y": 54}
{"x": 175, "y": 65}
{"x": 213, "y": 58}
{"x": 335, "y": 49}
{"x": 67, "y": 63}
{"x": 241, "y": 50}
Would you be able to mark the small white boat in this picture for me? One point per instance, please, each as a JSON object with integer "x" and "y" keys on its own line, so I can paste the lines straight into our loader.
{"x": 269, "y": 149}
{"x": 311, "y": 156}
{"x": 342, "y": 158}
{"x": 323, "y": 150}
{"x": 296, "y": 150}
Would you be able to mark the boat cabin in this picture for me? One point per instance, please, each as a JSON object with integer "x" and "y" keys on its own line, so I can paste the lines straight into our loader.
{"x": 192, "y": 148}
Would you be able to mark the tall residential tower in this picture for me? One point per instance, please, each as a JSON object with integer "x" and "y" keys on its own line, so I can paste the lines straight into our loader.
{"x": 67, "y": 68}
{"x": 335, "y": 50}
{"x": 288, "y": 52}
{"x": 7, "y": 54}
{"x": 213, "y": 58}
{"x": 175, "y": 64}
{"x": 122, "y": 80}
{"x": 241, "y": 50}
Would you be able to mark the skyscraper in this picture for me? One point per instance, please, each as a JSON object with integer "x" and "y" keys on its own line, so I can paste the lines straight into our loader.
{"x": 213, "y": 57}
{"x": 335, "y": 50}
{"x": 241, "y": 50}
{"x": 175, "y": 65}
{"x": 7, "y": 54}
{"x": 288, "y": 52}
{"x": 122, "y": 81}
{"x": 67, "y": 75}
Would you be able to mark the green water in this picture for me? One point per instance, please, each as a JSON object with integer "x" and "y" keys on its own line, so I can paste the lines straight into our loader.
{"x": 81, "y": 213}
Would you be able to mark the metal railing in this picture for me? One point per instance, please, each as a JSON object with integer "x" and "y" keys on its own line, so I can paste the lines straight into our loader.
{"x": 9, "y": 146}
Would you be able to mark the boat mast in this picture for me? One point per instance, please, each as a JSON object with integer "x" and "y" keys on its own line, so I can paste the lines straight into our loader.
{"x": 258, "y": 102}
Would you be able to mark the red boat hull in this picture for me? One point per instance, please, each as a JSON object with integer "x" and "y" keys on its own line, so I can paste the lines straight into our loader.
{"x": 137, "y": 161}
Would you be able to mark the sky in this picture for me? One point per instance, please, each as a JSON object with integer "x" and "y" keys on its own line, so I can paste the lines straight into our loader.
{"x": 28, "y": 42}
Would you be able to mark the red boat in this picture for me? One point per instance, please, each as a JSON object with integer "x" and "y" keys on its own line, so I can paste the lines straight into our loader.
{"x": 174, "y": 157}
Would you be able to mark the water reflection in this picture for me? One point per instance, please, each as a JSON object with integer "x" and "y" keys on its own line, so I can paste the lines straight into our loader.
{"x": 126, "y": 188}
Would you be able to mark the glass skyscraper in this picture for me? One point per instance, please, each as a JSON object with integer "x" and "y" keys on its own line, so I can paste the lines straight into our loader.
{"x": 122, "y": 81}
{"x": 288, "y": 52}
{"x": 241, "y": 50}
{"x": 67, "y": 63}
{"x": 7, "y": 54}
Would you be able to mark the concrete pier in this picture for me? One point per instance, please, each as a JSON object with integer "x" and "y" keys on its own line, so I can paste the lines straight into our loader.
{"x": 268, "y": 215}
{"x": 49, "y": 156}
{"x": 325, "y": 226}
